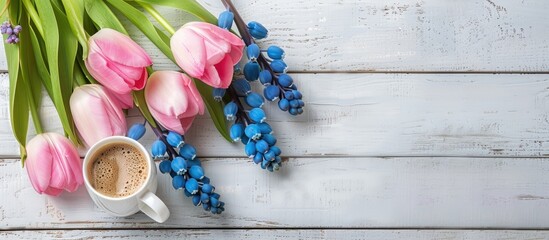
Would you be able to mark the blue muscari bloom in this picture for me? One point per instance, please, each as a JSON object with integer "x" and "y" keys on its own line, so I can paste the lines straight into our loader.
{"x": 284, "y": 104}
{"x": 206, "y": 206}
{"x": 269, "y": 138}
{"x": 204, "y": 197}
{"x": 255, "y": 100}
{"x": 165, "y": 166}
{"x": 278, "y": 160}
{"x": 265, "y": 128}
{"x": 289, "y": 95}
{"x": 257, "y": 30}
{"x": 285, "y": 80}
{"x": 179, "y": 165}
{"x": 250, "y": 149}
{"x": 225, "y": 20}
{"x": 214, "y": 209}
{"x": 301, "y": 103}
{"x": 136, "y": 131}
{"x": 264, "y": 164}
{"x": 270, "y": 168}
{"x": 187, "y": 151}
{"x": 245, "y": 139}
{"x": 294, "y": 103}
{"x": 279, "y": 66}
{"x": 242, "y": 87}
{"x": 261, "y": 146}
{"x": 196, "y": 200}
{"x": 192, "y": 186}
{"x": 271, "y": 92}
{"x": 187, "y": 193}
{"x": 172, "y": 173}
{"x": 257, "y": 115}
{"x": 214, "y": 202}
{"x": 230, "y": 110}
{"x": 275, "y": 52}
{"x": 251, "y": 71}
{"x": 207, "y": 188}
{"x": 253, "y": 52}
{"x": 269, "y": 155}
{"x": 276, "y": 150}
{"x": 299, "y": 110}
{"x": 178, "y": 182}
{"x": 258, "y": 157}
{"x": 192, "y": 162}
{"x": 276, "y": 166}
{"x": 158, "y": 149}
{"x": 297, "y": 94}
{"x": 236, "y": 131}
{"x": 206, "y": 180}
{"x": 293, "y": 111}
{"x": 253, "y": 131}
{"x": 196, "y": 172}
{"x": 216, "y": 195}
{"x": 265, "y": 77}
{"x": 175, "y": 139}
{"x": 218, "y": 94}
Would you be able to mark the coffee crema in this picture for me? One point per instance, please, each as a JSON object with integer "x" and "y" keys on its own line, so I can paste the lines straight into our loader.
{"x": 118, "y": 170}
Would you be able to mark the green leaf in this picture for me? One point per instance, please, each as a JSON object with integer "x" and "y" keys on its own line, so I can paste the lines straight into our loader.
{"x": 140, "y": 21}
{"x": 214, "y": 108}
{"x": 60, "y": 63}
{"x": 141, "y": 103}
{"x": 41, "y": 65}
{"x": 190, "y": 6}
{"x": 83, "y": 68}
{"x": 75, "y": 14}
{"x": 102, "y": 15}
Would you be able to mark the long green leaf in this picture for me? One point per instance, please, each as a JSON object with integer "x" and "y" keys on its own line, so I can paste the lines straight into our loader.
{"x": 140, "y": 21}
{"x": 74, "y": 11}
{"x": 190, "y": 6}
{"x": 41, "y": 65}
{"x": 102, "y": 15}
{"x": 214, "y": 108}
{"x": 60, "y": 63}
{"x": 19, "y": 107}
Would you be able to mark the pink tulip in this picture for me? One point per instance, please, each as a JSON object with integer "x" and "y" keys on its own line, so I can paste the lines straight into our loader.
{"x": 96, "y": 113}
{"x": 53, "y": 164}
{"x": 207, "y": 52}
{"x": 117, "y": 62}
{"x": 173, "y": 100}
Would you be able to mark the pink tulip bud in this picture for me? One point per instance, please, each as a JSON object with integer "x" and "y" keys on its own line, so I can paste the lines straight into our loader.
{"x": 207, "y": 52}
{"x": 96, "y": 113}
{"x": 53, "y": 164}
{"x": 173, "y": 100}
{"x": 117, "y": 62}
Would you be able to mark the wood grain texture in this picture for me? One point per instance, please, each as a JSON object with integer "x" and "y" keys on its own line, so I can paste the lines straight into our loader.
{"x": 280, "y": 234}
{"x": 384, "y": 115}
{"x": 318, "y": 193}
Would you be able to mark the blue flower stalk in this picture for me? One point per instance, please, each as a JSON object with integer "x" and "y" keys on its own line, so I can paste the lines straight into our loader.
{"x": 180, "y": 162}
{"x": 271, "y": 71}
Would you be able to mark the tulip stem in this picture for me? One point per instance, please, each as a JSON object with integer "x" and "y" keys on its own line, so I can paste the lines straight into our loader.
{"x": 156, "y": 15}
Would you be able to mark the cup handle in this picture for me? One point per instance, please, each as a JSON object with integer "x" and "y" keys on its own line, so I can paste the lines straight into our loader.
{"x": 151, "y": 205}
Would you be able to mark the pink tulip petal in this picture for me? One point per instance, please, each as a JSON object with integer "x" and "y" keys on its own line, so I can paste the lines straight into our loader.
{"x": 120, "y": 48}
{"x": 125, "y": 101}
{"x": 97, "y": 66}
{"x": 211, "y": 77}
{"x": 166, "y": 92}
{"x": 53, "y": 191}
{"x": 39, "y": 163}
{"x": 189, "y": 51}
{"x": 237, "y": 45}
{"x": 186, "y": 123}
{"x": 169, "y": 122}
{"x": 216, "y": 48}
{"x": 225, "y": 70}
{"x": 69, "y": 160}
{"x": 196, "y": 97}
{"x": 129, "y": 74}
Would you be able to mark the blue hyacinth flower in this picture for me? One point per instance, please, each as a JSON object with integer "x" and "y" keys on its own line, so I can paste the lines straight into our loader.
{"x": 269, "y": 138}
{"x": 253, "y": 52}
{"x": 225, "y": 20}
{"x": 255, "y": 100}
{"x": 257, "y": 30}
{"x": 258, "y": 157}
{"x": 196, "y": 172}
{"x": 279, "y": 66}
{"x": 276, "y": 150}
{"x": 236, "y": 131}
{"x": 179, "y": 165}
{"x": 285, "y": 80}
{"x": 289, "y": 95}
{"x": 265, "y": 77}
{"x": 253, "y": 131}
{"x": 204, "y": 198}
{"x": 207, "y": 188}
{"x": 196, "y": 200}
{"x": 136, "y": 131}
{"x": 242, "y": 87}
{"x": 187, "y": 151}
{"x": 218, "y": 94}
{"x": 178, "y": 182}
{"x": 269, "y": 155}
{"x": 265, "y": 128}
{"x": 158, "y": 149}
{"x": 257, "y": 115}
{"x": 275, "y": 53}
{"x": 251, "y": 71}
{"x": 192, "y": 186}
{"x": 284, "y": 104}
{"x": 175, "y": 139}
{"x": 214, "y": 202}
{"x": 249, "y": 149}
{"x": 261, "y": 146}
{"x": 271, "y": 92}
{"x": 230, "y": 110}
{"x": 297, "y": 94}
{"x": 165, "y": 166}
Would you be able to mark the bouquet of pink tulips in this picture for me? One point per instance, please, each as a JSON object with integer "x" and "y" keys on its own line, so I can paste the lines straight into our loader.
{"x": 81, "y": 54}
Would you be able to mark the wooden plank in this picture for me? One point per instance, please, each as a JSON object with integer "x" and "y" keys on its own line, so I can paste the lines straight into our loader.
{"x": 384, "y": 115}
{"x": 318, "y": 193}
{"x": 396, "y": 35}
{"x": 246, "y": 234}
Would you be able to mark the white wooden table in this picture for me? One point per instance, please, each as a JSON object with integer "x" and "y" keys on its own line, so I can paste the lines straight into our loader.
{"x": 425, "y": 119}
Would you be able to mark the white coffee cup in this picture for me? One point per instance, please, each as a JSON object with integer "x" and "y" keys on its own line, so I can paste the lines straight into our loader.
{"x": 143, "y": 199}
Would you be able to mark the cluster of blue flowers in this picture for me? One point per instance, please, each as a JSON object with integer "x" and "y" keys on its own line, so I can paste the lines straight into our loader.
{"x": 184, "y": 168}
{"x": 11, "y": 31}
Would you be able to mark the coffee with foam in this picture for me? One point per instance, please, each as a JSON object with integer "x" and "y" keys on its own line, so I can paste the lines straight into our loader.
{"x": 118, "y": 170}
